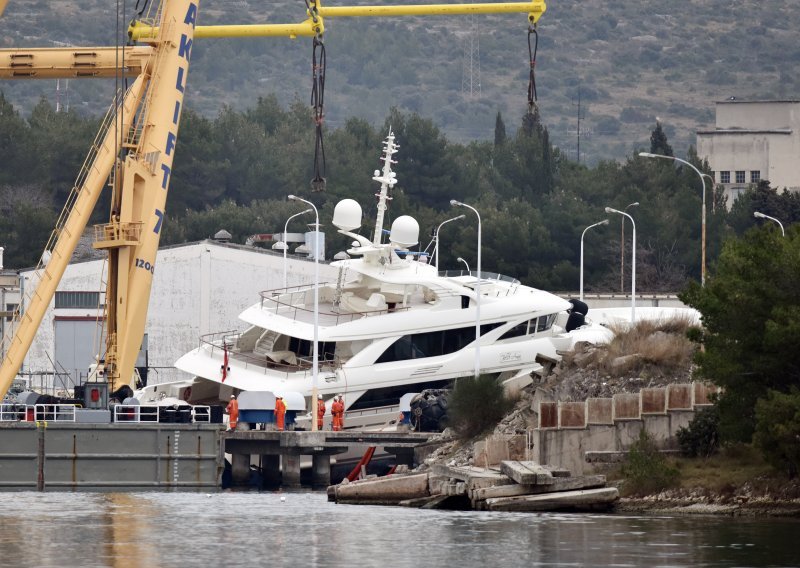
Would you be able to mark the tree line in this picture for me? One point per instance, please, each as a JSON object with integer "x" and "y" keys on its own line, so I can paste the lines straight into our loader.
{"x": 234, "y": 172}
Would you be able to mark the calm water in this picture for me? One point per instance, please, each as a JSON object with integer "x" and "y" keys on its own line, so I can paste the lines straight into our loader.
{"x": 257, "y": 529}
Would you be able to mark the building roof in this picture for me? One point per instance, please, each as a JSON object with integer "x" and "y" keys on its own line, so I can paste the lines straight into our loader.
{"x": 733, "y": 101}
{"x": 721, "y": 131}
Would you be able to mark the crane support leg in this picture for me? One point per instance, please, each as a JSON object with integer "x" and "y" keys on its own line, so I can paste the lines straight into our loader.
{"x": 99, "y": 168}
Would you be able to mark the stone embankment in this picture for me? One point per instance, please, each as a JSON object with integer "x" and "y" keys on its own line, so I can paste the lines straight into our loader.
{"x": 514, "y": 486}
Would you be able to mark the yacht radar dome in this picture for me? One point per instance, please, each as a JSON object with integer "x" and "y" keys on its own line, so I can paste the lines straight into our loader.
{"x": 405, "y": 231}
{"x": 347, "y": 215}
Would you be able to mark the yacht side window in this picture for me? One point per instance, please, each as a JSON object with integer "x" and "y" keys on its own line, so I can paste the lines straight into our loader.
{"x": 432, "y": 343}
{"x": 517, "y": 331}
{"x": 545, "y": 322}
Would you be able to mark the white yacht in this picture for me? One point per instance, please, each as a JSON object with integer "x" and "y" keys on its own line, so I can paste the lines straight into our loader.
{"x": 389, "y": 325}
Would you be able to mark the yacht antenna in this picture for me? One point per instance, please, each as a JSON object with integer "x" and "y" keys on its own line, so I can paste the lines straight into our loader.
{"x": 387, "y": 179}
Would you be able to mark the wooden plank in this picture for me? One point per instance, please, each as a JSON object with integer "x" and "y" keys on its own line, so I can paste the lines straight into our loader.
{"x": 526, "y": 473}
{"x": 588, "y": 499}
{"x": 559, "y": 484}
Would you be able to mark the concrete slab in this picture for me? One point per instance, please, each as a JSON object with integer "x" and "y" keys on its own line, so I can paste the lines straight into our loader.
{"x": 384, "y": 490}
{"x": 548, "y": 415}
{"x": 562, "y": 484}
{"x": 588, "y": 499}
{"x": 702, "y": 393}
{"x": 526, "y": 473}
{"x": 474, "y": 477}
{"x": 627, "y": 406}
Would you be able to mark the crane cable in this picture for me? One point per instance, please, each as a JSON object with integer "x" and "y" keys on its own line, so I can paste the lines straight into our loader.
{"x": 318, "y": 63}
{"x": 532, "y": 49}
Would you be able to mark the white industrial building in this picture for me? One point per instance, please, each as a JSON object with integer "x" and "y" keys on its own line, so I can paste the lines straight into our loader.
{"x": 198, "y": 288}
{"x": 753, "y": 141}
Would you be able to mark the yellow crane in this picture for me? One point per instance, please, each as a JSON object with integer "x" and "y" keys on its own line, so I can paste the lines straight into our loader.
{"x": 144, "y": 123}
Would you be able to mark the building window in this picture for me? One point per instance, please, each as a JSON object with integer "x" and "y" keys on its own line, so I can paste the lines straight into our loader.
{"x": 755, "y": 176}
{"x": 739, "y": 176}
{"x": 78, "y": 300}
{"x": 10, "y": 308}
{"x": 725, "y": 177}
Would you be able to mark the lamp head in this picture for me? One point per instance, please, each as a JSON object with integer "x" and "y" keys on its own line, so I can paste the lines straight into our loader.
{"x": 648, "y": 155}
{"x": 610, "y": 210}
{"x": 634, "y": 204}
{"x": 459, "y": 259}
{"x": 604, "y": 222}
{"x": 292, "y": 197}
{"x": 461, "y": 217}
{"x": 309, "y": 210}
{"x": 758, "y": 214}
{"x": 454, "y": 202}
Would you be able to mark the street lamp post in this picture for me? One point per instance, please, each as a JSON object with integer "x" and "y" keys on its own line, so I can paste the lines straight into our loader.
{"x": 760, "y": 215}
{"x": 633, "y": 263}
{"x": 286, "y": 244}
{"x": 603, "y": 222}
{"x": 459, "y": 259}
{"x": 622, "y": 249}
{"x": 477, "y": 291}
{"x": 703, "y": 234}
{"x": 315, "y": 351}
{"x": 436, "y": 236}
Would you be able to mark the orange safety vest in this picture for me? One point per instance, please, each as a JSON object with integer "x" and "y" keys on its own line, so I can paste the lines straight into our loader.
{"x": 337, "y": 409}
{"x": 280, "y": 413}
{"x": 233, "y": 411}
{"x": 320, "y": 413}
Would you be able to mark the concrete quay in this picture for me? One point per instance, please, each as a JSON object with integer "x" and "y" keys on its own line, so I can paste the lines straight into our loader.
{"x": 280, "y": 453}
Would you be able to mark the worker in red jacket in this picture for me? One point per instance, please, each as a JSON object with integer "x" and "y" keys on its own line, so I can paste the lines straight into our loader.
{"x": 233, "y": 413}
{"x": 320, "y": 411}
{"x": 280, "y": 412}
{"x": 337, "y": 411}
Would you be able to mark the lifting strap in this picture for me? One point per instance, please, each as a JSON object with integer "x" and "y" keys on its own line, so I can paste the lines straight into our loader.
{"x": 532, "y": 49}
{"x": 318, "y": 61}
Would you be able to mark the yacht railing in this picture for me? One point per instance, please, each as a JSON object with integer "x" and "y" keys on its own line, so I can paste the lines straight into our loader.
{"x": 277, "y": 301}
{"x": 220, "y": 342}
{"x": 487, "y": 278}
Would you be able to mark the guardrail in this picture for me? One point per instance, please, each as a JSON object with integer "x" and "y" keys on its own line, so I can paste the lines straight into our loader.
{"x": 125, "y": 413}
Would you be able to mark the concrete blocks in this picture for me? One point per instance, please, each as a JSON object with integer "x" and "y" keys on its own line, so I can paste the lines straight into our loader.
{"x": 654, "y": 400}
{"x": 572, "y": 415}
{"x": 702, "y": 393}
{"x": 548, "y": 415}
{"x": 679, "y": 397}
{"x": 384, "y": 490}
{"x": 599, "y": 411}
{"x": 626, "y": 406}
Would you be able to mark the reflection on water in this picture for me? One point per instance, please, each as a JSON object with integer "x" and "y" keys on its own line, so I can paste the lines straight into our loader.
{"x": 258, "y": 529}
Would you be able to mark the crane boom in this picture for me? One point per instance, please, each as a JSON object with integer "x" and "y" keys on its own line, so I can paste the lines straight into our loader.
{"x": 146, "y": 126}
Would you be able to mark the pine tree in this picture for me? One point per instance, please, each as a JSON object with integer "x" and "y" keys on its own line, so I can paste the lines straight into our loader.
{"x": 658, "y": 142}
{"x": 499, "y": 130}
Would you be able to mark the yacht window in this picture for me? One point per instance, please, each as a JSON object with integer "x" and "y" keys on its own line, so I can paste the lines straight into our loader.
{"x": 545, "y": 322}
{"x": 304, "y": 348}
{"x": 464, "y": 302}
{"x": 390, "y": 396}
{"x": 517, "y": 331}
{"x": 432, "y": 343}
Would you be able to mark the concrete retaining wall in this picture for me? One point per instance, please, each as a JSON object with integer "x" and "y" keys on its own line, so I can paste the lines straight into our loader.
{"x": 567, "y": 430}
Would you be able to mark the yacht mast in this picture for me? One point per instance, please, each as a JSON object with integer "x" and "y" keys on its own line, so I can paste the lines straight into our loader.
{"x": 387, "y": 179}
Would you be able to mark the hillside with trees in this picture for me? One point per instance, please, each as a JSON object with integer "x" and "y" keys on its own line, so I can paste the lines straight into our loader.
{"x": 234, "y": 172}
{"x": 629, "y": 63}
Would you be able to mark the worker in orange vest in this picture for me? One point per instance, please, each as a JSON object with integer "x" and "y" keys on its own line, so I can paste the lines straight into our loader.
{"x": 233, "y": 412}
{"x": 280, "y": 412}
{"x": 337, "y": 411}
{"x": 320, "y": 411}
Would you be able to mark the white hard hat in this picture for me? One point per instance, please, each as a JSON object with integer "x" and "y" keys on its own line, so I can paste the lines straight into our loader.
{"x": 233, "y": 396}
{"x": 319, "y": 396}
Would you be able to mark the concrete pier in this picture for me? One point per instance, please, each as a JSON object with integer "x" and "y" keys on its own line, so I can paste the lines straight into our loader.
{"x": 281, "y": 452}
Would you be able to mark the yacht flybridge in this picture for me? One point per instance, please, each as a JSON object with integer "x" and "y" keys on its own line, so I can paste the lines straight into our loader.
{"x": 390, "y": 324}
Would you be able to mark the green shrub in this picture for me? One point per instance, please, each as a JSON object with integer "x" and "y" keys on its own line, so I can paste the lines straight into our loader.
{"x": 646, "y": 470}
{"x": 701, "y": 438}
{"x": 476, "y": 405}
{"x": 778, "y": 430}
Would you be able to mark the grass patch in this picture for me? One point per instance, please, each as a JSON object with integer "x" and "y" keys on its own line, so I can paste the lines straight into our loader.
{"x": 646, "y": 470}
{"x": 731, "y": 467}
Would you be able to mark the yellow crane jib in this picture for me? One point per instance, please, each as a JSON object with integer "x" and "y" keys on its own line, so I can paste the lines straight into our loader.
{"x": 314, "y": 25}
